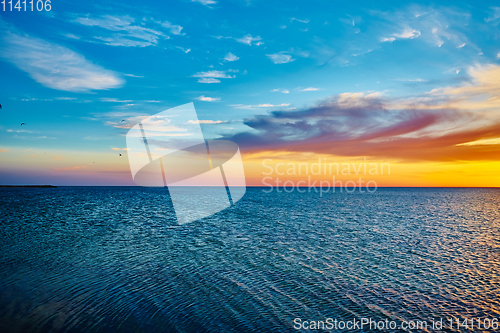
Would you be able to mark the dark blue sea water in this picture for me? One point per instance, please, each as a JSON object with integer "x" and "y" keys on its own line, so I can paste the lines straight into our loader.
{"x": 85, "y": 259}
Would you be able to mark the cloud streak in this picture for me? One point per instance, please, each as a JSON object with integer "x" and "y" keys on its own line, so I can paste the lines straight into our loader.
{"x": 231, "y": 57}
{"x": 174, "y": 29}
{"x": 284, "y": 91}
{"x": 280, "y": 58}
{"x": 208, "y": 80}
{"x": 301, "y": 21}
{"x": 249, "y": 40}
{"x": 207, "y": 122}
{"x": 208, "y": 99}
{"x": 55, "y": 66}
{"x": 123, "y": 30}
{"x": 407, "y": 33}
{"x": 206, "y": 2}
{"x": 212, "y": 76}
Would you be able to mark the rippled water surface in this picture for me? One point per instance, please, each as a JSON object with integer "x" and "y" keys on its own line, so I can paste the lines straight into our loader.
{"x": 83, "y": 259}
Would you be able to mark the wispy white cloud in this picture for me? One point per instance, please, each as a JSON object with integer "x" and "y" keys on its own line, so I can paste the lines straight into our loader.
{"x": 407, "y": 33}
{"x": 206, "y": 2}
{"x": 53, "y": 65}
{"x": 115, "y": 100}
{"x": 174, "y": 29}
{"x": 214, "y": 73}
{"x": 265, "y": 105}
{"x": 284, "y": 91}
{"x": 280, "y": 58}
{"x": 231, "y": 57}
{"x": 211, "y": 122}
{"x": 412, "y": 80}
{"x": 296, "y": 19}
{"x": 271, "y": 105}
{"x": 453, "y": 70}
{"x": 387, "y": 39}
{"x": 249, "y": 40}
{"x": 222, "y": 37}
{"x": 132, "y": 75}
{"x": 72, "y": 36}
{"x": 31, "y": 99}
{"x": 493, "y": 15}
{"x": 208, "y": 99}
{"x": 309, "y": 89}
{"x": 208, "y": 80}
{"x": 433, "y": 25}
{"x": 183, "y": 49}
{"x": 19, "y": 131}
{"x": 65, "y": 98}
{"x": 212, "y": 76}
{"x": 119, "y": 40}
{"x": 126, "y": 32}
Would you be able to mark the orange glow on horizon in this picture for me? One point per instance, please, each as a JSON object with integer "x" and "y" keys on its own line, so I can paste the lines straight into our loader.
{"x": 108, "y": 168}
{"x": 298, "y": 167}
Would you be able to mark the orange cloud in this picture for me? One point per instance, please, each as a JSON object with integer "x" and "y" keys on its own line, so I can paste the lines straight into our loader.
{"x": 446, "y": 124}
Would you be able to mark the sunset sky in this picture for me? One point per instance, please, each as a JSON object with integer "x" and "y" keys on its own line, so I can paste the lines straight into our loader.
{"x": 415, "y": 85}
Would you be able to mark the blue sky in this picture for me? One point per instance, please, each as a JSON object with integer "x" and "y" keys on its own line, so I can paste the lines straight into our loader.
{"x": 74, "y": 73}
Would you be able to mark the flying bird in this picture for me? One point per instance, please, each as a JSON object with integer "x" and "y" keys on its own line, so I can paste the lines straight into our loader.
{"x": 0, "y": 106}
{"x": 123, "y": 120}
{"x": 120, "y": 154}
{"x": 22, "y": 124}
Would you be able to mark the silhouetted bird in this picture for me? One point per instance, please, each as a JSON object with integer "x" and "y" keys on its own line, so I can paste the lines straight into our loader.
{"x": 0, "y": 106}
{"x": 22, "y": 124}
{"x": 123, "y": 120}
{"x": 120, "y": 154}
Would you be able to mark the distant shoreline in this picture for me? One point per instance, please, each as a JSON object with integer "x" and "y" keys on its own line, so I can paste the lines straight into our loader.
{"x": 37, "y": 186}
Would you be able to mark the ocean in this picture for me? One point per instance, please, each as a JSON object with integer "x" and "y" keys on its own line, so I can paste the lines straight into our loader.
{"x": 103, "y": 259}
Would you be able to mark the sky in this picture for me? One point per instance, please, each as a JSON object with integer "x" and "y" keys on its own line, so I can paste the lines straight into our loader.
{"x": 415, "y": 85}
